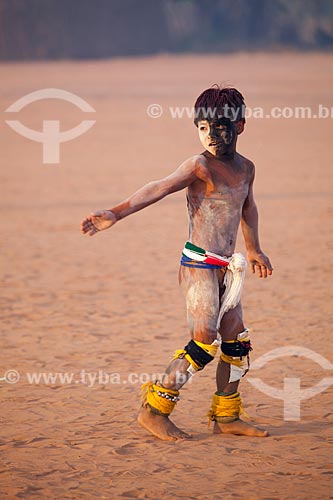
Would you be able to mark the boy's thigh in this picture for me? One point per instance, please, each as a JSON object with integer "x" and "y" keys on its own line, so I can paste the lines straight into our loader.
{"x": 232, "y": 323}
{"x": 201, "y": 291}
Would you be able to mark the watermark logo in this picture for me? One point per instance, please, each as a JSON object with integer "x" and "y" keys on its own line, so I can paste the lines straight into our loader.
{"x": 84, "y": 377}
{"x": 11, "y": 377}
{"x": 50, "y": 136}
{"x": 291, "y": 394}
{"x": 154, "y": 111}
{"x": 319, "y": 111}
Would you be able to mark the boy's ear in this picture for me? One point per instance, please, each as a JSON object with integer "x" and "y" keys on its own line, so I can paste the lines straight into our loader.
{"x": 240, "y": 126}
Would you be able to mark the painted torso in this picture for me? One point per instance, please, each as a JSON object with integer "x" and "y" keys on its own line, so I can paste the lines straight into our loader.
{"x": 215, "y": 202}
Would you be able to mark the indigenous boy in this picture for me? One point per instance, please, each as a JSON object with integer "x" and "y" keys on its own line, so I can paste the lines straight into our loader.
{"x": 219, "y": 185}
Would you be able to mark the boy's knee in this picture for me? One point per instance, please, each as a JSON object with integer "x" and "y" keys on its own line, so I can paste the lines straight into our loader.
{"x": 206, "y": 336}
{"x": 198, "y": 354}
{"x": 232, "y": 332}
{"x": 232, "y": 324}
{"x": 200, "y": 350}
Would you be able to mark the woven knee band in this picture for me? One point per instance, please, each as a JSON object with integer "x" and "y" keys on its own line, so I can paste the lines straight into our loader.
{"x": 236, "y": 348}
{"x": 233, "y": 352}
{"x": 232, "y": 361}
{"x": 159, "y": 399}
{"x": 197, "y": 353}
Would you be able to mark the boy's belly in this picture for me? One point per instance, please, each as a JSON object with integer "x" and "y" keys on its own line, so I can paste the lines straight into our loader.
{"x": 218, "y": 237}
{"x": 213, "y": 223}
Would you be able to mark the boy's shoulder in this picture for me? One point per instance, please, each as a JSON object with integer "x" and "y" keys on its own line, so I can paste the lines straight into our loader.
{"x": 200, "y": 160}
{"x": 197, "y": 158}
{"x": 195, "y": 162}
{"x": 247, "y": 163}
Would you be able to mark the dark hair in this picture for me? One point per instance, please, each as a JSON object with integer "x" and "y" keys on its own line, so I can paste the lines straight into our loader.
{"x": 217, "y": 102}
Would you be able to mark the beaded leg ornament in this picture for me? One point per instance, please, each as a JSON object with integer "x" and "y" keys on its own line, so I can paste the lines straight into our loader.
{"x": 159, "y": 399}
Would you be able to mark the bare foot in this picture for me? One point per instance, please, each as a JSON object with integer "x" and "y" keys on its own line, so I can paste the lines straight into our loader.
{"x": 239, "y": 427}
{"x": 160, "y": 426}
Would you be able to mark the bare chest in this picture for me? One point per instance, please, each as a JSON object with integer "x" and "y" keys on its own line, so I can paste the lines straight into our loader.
{"x": 226, "y": 184}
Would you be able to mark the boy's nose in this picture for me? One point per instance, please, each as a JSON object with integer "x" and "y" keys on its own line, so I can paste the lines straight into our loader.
{"x": 212, "y": 134}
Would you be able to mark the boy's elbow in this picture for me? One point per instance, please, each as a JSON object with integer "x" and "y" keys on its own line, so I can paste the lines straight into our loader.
{"x": 249, "y": 210}
{"x": 166, "y": 188}
{"x": 160, "y": 189}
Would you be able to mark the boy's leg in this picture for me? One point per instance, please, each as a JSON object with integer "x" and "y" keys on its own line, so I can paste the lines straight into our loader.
{"x": 227, "y": 380}
{"x": 201, "y": 291}
{"x": 151, "y": 419}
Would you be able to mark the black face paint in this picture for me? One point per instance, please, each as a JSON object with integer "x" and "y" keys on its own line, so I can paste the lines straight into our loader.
{"x": 222, "y": 133}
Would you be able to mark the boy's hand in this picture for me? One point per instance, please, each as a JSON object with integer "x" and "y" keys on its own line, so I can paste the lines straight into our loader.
{"x": 97, "y": 221}
{"x": 260, "y": 262}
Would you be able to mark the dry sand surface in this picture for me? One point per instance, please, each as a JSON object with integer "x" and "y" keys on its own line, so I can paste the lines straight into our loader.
{"x": 111, "y": 304}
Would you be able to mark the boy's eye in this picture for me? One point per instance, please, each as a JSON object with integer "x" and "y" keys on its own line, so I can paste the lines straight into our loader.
{"x": 202, "y": 128}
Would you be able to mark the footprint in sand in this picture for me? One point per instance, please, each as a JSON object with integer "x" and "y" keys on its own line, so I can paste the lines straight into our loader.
{"x": 138, "y": 493}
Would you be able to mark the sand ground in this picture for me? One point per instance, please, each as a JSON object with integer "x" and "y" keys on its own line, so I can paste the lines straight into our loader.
{"x": 111, "y": 304}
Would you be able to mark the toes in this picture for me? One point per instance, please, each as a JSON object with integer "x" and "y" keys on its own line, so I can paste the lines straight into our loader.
{"x": 257, "y": 432}
{"x": 178, "y": 433}
{"x": 182, "y": 435}
{"x": 241, "y": 428}
{"x": 166, "y": 437}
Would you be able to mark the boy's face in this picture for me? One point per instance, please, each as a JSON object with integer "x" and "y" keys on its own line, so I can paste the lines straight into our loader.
{"x": 218, "y": 136}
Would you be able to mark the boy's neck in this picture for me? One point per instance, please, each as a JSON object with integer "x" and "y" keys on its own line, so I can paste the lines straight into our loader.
{"x": 227, "y": 156}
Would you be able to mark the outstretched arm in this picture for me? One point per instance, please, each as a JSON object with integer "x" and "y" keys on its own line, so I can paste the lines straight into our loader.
{"x": 256, "y": 257}
{"x": 145, "y": 196}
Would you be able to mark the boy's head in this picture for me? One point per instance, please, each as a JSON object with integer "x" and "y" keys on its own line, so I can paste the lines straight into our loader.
{"x": 216, "y": 102}
{"x": 219, "y": 114}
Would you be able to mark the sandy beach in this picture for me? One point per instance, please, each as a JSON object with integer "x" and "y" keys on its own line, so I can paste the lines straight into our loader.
{"x": 111, "y": 305}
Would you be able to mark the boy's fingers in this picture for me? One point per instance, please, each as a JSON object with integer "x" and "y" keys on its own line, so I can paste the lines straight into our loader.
{"x": 253, "y": 268}
{"x": 86, "y": 222}
{"x": 269, "y": 265}
{"x": 86, "y": 225}
{"x": 264, "y": 271}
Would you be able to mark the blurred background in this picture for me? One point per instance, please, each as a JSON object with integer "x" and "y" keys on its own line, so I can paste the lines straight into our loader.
{"x": 62, "y": 29}
{"x": 112, "y": 302}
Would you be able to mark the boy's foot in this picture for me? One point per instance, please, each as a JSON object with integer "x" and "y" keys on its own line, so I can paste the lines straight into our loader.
{"x": 160, "y": 426}
{"x": 240, "y": 428}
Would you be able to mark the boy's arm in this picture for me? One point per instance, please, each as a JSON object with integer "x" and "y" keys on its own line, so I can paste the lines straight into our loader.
{"x": 145, "y": 196}
{"x": 249, "y": 222}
